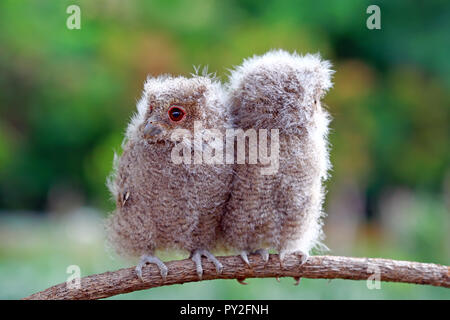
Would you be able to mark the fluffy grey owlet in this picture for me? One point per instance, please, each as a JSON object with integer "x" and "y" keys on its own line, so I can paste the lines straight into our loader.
{"x": 162, "y": 204}
{"x": 279, "y": 210}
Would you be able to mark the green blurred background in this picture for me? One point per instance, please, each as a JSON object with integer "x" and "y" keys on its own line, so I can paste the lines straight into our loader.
{"x": 66, "y": 96}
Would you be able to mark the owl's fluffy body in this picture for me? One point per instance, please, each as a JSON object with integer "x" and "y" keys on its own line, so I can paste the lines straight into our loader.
{"x": 162, "y": 205}
{"x": 282, "y": 211}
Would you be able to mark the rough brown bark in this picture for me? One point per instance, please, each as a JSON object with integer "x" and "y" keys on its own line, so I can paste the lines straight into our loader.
{"x": 108, "y": 284}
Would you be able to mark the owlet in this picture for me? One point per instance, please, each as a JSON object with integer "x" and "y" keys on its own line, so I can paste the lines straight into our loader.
{"x": 279, "y": 209}
{"x": 164, "y": 203}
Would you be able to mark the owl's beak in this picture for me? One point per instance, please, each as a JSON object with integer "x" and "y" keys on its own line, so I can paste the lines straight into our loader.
{"x": 152, "y": 129}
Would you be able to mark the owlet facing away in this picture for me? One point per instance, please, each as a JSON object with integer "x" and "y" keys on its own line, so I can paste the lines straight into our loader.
{"x": 282, "y": 209}
{"x": 163, "y": 204}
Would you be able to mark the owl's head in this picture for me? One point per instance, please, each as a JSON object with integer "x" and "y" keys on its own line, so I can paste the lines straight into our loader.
{"x": 278, "y": 90}
{"x": 171, "y": 103}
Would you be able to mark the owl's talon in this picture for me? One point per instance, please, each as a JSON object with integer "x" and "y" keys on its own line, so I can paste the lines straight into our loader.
{"x": 264, "y": 253}
{"x": 282, "y": 256}
{"x": 213, "y": 259}
{"x": 197, "y": 258}
{"x": 219, "y": 267}
{"x": 303, "y": 257}
{"x": 242, "y": 281}
{"x": 297, "y": 281}
{"x": 139, "y": 272}
{"x": 153, "y": 260}
{"x": 244, "y": 256}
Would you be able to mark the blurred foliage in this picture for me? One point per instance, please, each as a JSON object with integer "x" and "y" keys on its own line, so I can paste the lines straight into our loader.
{"x": 66, "y": 97}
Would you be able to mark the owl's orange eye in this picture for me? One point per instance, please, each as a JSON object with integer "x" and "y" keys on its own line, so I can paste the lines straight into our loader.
{"x": 176, "y": 113}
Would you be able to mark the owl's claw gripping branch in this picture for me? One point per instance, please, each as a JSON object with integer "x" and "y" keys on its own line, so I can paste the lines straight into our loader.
{"x": 264, "y": 253}
{"x": 304, "y": 256}
{"x": 244, "y": 256}
{"x": 197, "y": 258}
{"x": 154, "y": 260}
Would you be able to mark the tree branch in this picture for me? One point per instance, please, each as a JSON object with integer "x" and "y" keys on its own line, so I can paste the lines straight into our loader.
{"x": 108, "y": 284}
